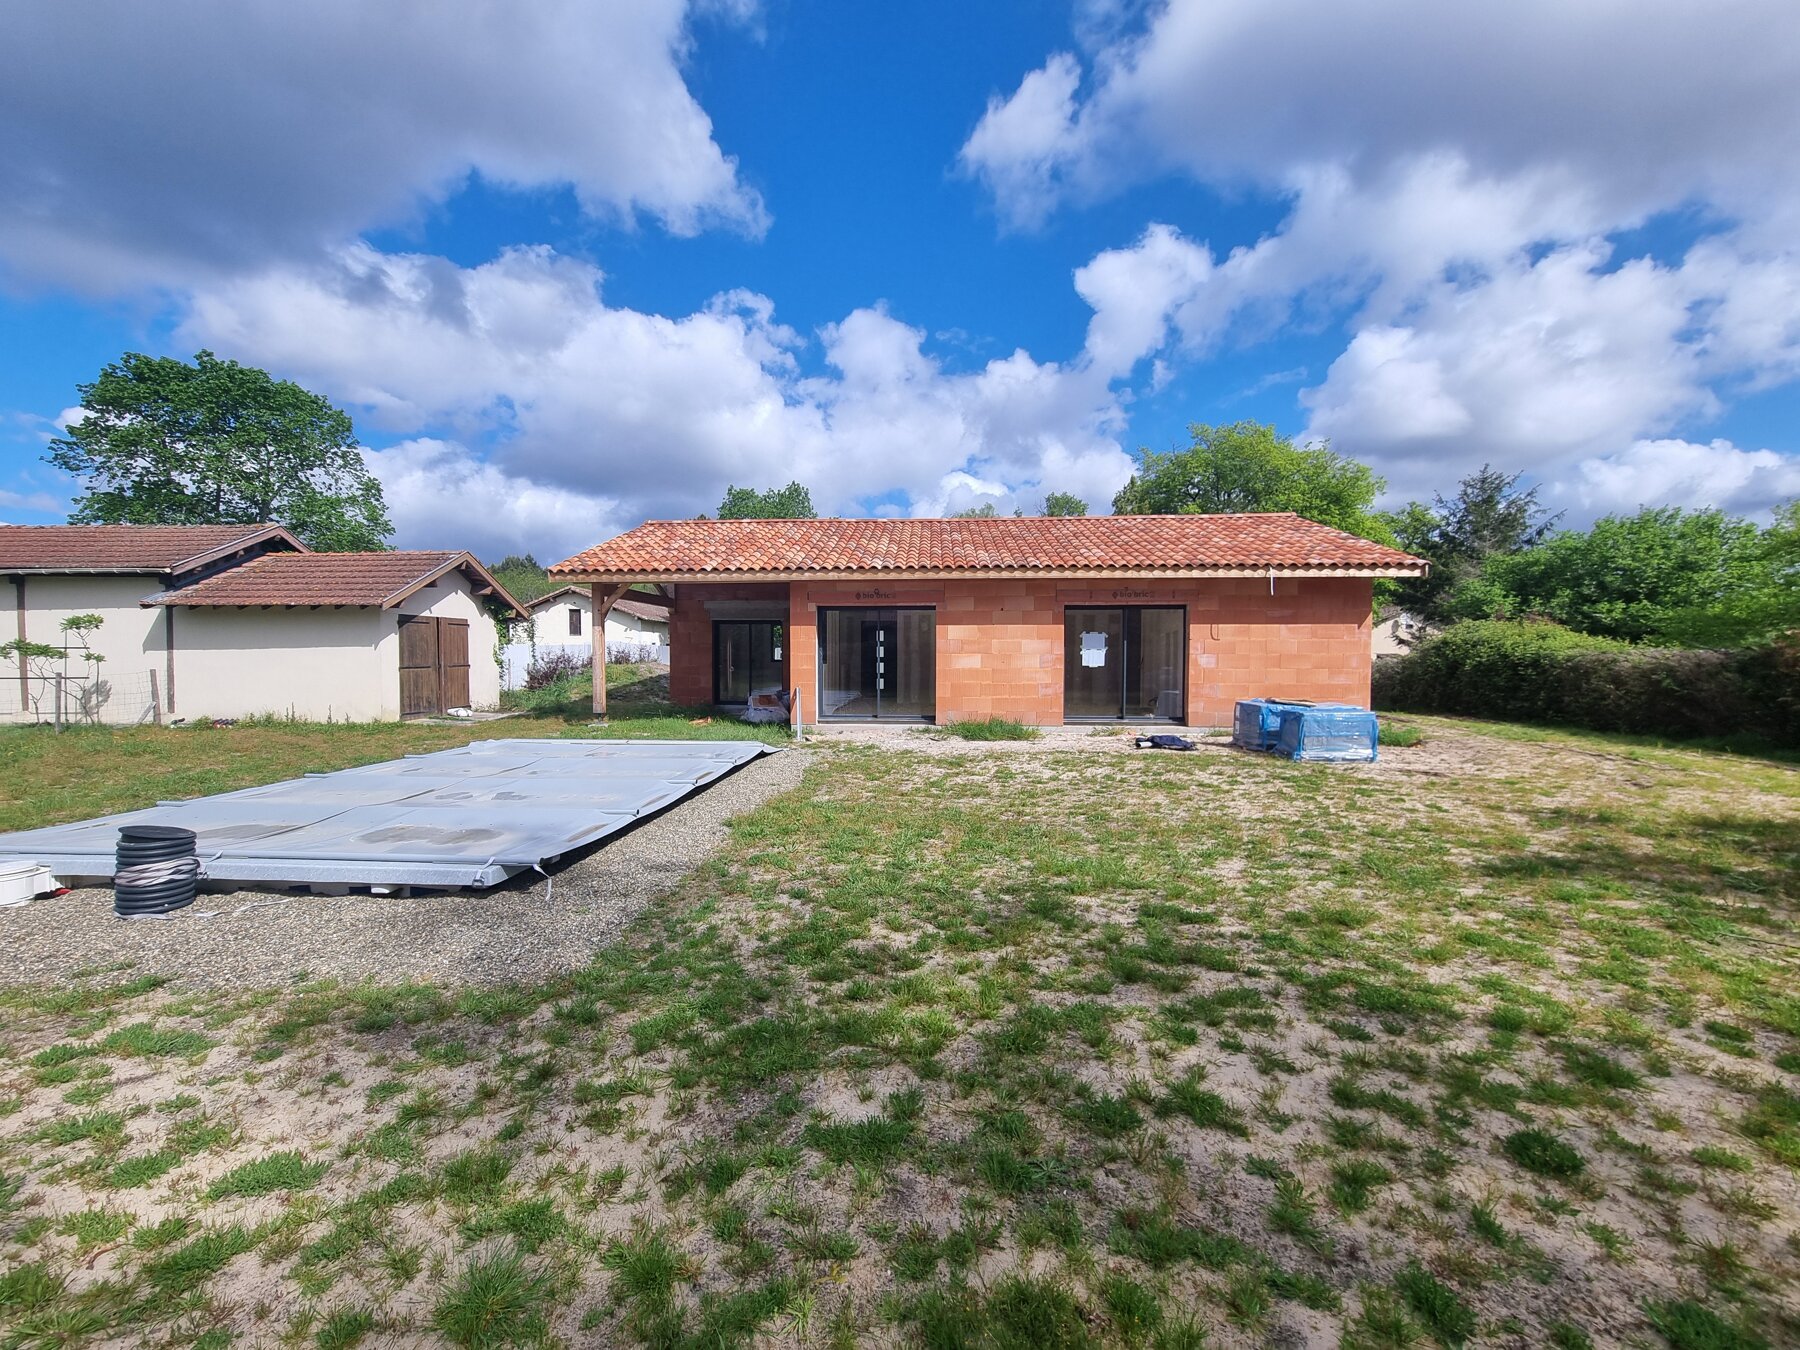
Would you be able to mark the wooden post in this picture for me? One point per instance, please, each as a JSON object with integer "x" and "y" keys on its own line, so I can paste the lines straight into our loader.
{"x": 603, "y": 598}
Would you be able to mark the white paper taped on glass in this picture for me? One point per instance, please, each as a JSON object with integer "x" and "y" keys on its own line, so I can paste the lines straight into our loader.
{"x": 472, "y": 816}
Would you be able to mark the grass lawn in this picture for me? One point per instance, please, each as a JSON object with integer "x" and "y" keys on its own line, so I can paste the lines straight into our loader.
{"x": 1495, "y": 1045}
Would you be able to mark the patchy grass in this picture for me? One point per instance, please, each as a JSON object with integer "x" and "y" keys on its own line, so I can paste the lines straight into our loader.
{"x": 986, "y": 729}
{"x": 1400, "y": 735}
{"x": 1494, "y": 1042}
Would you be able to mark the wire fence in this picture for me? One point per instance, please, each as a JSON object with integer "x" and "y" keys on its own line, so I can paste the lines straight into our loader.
{"x": 116, "y": 698}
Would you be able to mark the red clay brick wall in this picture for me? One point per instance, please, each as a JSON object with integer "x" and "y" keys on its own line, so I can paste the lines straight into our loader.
{"x": 691, "y": 636}
{"x": 1000, "y": 643}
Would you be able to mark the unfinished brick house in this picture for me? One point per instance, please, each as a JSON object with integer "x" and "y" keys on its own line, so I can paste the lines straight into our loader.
{"x": 1043, "y": 620}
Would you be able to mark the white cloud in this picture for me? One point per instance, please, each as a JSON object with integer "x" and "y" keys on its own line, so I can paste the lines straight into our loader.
{"x": 41, "y": 502}
{"x": 144, "y": 146}
{"x": 1651, "y": 104}
{"x": 440, "y": 494}
{"x": 1680, "y": 473}
{"x": 1454, "y": 178}
{"x": 1539, "y": 364}
{"x": 596, "y": 413}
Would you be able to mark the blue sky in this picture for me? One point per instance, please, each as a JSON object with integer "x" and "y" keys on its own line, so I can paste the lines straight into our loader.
{"x": 569, "y": 266}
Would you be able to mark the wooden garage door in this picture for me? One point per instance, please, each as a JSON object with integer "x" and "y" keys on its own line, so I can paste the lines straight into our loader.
{"x": 434, "y": 664}
{"x": 453, "y": 662}
{"x": 420, "y": 687}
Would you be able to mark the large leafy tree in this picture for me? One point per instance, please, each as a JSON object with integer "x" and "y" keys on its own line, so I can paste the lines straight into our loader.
{"x": 792, "y": 502}
{"x": 1250, "y": 467}
{"x": 166, "y": 442}
{"x": 1064, "y": 504}
{"x": 1490, "y": 516}
{"x": 1664, "y": 574}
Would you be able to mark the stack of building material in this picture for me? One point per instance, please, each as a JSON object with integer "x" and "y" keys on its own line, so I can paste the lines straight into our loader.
{"x": 1258, "y": 721}
{"x": 1340, "y": 734}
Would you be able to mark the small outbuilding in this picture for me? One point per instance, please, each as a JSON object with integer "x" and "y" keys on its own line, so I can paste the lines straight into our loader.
{"x": 234, "y": 621}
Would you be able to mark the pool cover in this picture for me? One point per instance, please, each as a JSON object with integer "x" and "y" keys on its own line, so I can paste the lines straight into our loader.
{"x": 472, "y": 816}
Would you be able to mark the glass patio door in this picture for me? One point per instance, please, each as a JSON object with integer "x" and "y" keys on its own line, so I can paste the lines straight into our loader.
{"x": 878, "y": 663}
{"x": 746, "y": 660}
{"x": 1125, "y": 663}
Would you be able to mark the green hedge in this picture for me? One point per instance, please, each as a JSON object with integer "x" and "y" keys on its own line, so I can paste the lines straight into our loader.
{"x": 1539, "y": 672}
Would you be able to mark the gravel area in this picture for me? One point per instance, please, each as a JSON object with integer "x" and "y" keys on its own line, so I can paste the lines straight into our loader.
{"x": 520, "y": 932}
{"x": 933, "y": 741}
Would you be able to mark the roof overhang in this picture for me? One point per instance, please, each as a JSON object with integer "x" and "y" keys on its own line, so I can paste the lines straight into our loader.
{"x": 557, "y": 594}
{"x": 991, "y": 574}
{"x": 485, "y": 584}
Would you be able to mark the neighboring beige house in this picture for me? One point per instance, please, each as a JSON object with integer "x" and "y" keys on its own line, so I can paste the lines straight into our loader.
{"x": 1395, "y": 634}
{"x": 241, "y": 620}
{"x": 565, "y": 617}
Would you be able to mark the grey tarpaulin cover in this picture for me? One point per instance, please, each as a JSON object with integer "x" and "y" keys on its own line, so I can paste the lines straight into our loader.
{"x": 471, "y": 816}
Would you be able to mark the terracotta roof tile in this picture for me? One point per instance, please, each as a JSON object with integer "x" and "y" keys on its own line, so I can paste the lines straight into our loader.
{"x": 1147, "y": 545}
{"x": 124, "y": 548}
{"x": 301, "y": 579}
{"x": 643, "y": 609}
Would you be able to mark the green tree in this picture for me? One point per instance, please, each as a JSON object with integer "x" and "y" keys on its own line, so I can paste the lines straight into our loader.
{"x": 523, "y": 576}
{"x": 1064, "y": 504}
{"x": 1653, "y": 576}
{"x": 164, "y": 442}
{"x": 1490, "y": 516}
{"x": 1249, "y": 467}
{"x": 792, "y": 502}
{"x": 1764, "y": 601}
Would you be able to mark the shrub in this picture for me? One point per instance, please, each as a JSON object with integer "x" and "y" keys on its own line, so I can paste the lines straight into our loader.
{"x": 554, "y": 667}
{"x": 1539, "y": 672}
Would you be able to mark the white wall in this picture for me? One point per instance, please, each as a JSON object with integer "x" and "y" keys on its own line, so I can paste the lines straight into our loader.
{"x": 130, "y": 638}
{"x": 550, "y": 625}
{"x": 622, "y": 627}
{"x": 311, "y": 664}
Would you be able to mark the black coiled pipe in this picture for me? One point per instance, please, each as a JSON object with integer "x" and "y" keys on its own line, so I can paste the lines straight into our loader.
{"x": 156, "y": 871}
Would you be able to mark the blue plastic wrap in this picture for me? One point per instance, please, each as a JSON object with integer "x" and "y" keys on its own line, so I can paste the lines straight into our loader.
{"x": 1258, "y": 720}
{"x": 1341, "y": 734}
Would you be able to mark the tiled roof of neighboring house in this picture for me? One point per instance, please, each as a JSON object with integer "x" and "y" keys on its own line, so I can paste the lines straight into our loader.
{"x": 129, "y": 548}
{"x": 289, "y": 580}
{"x": 643, "y": 609}
{"x": 1058, "y": 545}
{"x": 640, "y": 605}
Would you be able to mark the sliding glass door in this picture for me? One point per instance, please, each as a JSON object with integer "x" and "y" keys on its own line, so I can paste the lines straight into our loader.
{"x": 1125, "y": 663}
{"x": 746, "y": 660}
{"x": 878, "y": 663}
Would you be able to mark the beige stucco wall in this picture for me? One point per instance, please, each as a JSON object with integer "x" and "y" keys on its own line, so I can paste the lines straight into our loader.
{"x": 130, "y": 638}
{"x": 449, "y": 598}
{"x": 312, "y": 664}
